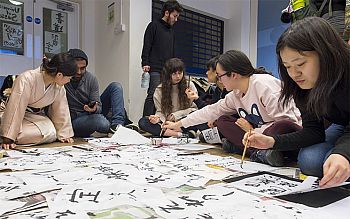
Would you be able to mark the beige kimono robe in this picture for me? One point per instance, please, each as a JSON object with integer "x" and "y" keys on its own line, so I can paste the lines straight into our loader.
{"x": 35, "y": 128}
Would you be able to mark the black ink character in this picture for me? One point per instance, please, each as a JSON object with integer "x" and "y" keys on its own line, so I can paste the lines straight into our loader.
{"x": 81, "y": 195}
{"x": 64, "y": 214}
{"x": 205, "y": 216}
{"x": 129, "y": 194}
{"x": 273, "y": 190}
{"x": 191, "y": 202}
{"x": 175, "y": 206}
{"x": 209, "y": 197}
{"x": 157, "y": 179}
{"x": 9, "y": 188}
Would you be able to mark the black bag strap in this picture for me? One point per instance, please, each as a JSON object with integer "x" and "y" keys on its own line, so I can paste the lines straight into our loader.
{"x": 319, "y": 11}
{"x": 330, "y": 11}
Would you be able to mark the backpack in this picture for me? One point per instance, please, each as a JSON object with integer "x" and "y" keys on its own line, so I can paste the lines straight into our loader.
{"x": 305, "y": 8}
{"x": 6, "y": 87}
{"x": 300, "y": 9}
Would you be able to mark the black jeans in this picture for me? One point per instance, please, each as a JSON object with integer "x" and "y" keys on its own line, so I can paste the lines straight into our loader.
{"x": 155, "y": 129}
{"x": 148, "y": 108}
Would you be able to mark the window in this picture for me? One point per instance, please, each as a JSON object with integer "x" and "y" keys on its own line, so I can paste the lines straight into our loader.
{"x": 270, "y": 28}
{"x": 11, "y": 28}
{"x": 198, "y": 38}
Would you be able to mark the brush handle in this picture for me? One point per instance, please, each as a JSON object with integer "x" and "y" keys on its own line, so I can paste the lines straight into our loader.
{"x": 245, "y": 147}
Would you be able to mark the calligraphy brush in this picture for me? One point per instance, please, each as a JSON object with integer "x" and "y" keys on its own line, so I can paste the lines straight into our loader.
{"x": 245, "y": 147}
{"x": 26, "y": 152}
{"x": 163, "y": 129}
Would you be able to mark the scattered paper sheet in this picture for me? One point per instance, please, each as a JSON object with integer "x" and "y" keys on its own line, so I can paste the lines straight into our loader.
{"x": 141, "y": 180}
{"x": 193, "y": 147}
{"x": 265, "y": 184}
{"x": 175, "y": 141}
{"x": 128, "y": 136}
{"x": 212, "y": 135}
{"x": 7, "y": 206}
{"x": 311, "y": 183}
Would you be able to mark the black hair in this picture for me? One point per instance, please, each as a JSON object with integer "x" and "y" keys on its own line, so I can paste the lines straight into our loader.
{"x": 315, "y": 34}
{"x": 234, "y": 61}
{"x": 61, "y": 62}
{"x": 212, "y": 62}
{"x": 170, "y": 6}
{"x": 171, "y": 66}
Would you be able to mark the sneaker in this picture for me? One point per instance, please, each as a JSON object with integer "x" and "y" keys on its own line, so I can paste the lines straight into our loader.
{"x": 99, "y": 134}
{"x": 113, "y": 128}
{"x": 201, "y": 138}
{"x": 191, "y": 134}
{"x": 272, "y": 157}
{"x": 229, "y": 147}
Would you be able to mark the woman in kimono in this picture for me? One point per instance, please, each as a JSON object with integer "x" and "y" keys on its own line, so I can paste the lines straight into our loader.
{"x": 37, "y": 110}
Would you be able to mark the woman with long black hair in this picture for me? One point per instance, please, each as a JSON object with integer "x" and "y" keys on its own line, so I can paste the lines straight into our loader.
{"x": 314, "y": 67}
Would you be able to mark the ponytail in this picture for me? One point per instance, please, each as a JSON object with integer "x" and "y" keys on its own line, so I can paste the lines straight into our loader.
{"x": 51, "y": 70}
{"x": 60, "y": 63}
{"x": 261, "y": 70}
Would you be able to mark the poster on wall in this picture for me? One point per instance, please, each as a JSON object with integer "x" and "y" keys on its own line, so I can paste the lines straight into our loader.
{"x": 9, "y": 12}
{"x": 12, "y": 35}
{"x": 58, "y": 21}
{"x": 52, "y": 42}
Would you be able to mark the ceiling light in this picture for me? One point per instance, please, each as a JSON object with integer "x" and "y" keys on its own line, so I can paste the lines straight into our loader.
{"x": 16, "y": 2}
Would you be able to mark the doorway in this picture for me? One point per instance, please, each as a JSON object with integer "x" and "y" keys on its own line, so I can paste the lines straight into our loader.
{"x": 30, "y": 29}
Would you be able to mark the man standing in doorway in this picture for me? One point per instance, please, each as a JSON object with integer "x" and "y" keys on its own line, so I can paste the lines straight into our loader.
{"x": 158, "y": 46}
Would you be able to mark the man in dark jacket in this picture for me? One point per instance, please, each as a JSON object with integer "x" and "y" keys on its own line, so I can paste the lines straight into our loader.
{"x": 158, "y": 46}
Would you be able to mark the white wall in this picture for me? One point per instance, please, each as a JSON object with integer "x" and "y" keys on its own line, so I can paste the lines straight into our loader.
{"x": 140, "y": 16}
{"x": 117, "y": 57}
{"x": 108, "y": 52}
{"x": 87, "y": 29}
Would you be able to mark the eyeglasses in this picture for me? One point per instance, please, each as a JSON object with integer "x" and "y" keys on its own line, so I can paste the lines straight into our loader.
{"x": 218, "y": 77}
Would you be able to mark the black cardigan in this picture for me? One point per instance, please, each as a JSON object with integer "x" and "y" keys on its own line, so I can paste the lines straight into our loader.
{"x": 313, "y": 128}
{"x": 158, "y": 45}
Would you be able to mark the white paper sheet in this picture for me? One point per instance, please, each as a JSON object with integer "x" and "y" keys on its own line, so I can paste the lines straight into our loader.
{"x": 193, "y": 147}
{"x": 266, "y": 185}
{"x": 128, "y": 136}
{"x": 10, "y": 205}
{"x": 339, "y": 209}
{"x": 175, "y": 141}
{"x": 140, "y": 179}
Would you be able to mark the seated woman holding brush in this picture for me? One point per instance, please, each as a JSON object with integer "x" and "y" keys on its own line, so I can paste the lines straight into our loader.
{"x": 254, "y": 96}
{"x": 171, "y": 101}
{"x": 315, "y": 71}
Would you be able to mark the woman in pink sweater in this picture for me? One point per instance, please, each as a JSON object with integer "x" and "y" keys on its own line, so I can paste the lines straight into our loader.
{"x": 254, "y": 96}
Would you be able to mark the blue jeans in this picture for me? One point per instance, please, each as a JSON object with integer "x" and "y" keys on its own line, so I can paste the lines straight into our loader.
{"x": 312, "y": 158}
{"x": 148, "y": 108}
{"x": 113, "y": 103}
{"x": 113, "y": 113}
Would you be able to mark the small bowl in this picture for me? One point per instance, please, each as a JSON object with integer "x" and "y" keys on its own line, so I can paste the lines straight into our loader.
{"x": 156, "y": 141}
